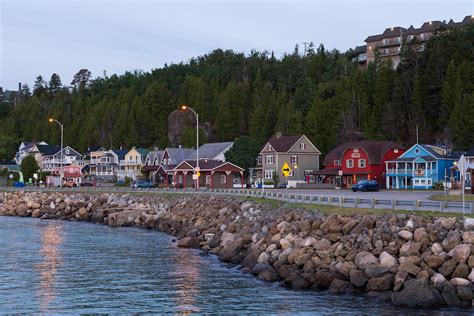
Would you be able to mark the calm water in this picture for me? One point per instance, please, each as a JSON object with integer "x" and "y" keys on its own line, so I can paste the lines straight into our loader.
{"x": 65, "y": 267}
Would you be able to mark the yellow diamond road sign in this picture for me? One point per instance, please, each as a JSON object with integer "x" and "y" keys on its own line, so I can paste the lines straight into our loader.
{"x": 198, "y": 174}
{"x": 286, "y": 169}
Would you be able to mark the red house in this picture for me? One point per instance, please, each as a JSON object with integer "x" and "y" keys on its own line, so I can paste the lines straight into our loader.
{"x": 213, "y": 174}
{"x": 363, "y": 160}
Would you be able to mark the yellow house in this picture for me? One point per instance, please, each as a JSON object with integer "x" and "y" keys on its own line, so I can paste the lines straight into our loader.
{"x": 134, "y": 162}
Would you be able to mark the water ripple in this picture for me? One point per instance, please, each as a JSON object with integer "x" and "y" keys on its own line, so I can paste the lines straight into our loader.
{"x": 65, "y": 267}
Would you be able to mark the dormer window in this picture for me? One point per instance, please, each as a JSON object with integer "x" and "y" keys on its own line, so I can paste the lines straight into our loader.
{"x": 417, "y": 150}
{"x": 302, "y": 146}
{"x": 269, "y": 147}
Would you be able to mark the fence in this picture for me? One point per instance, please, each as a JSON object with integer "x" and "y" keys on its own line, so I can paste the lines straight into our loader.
{"x": 341, "y": 201}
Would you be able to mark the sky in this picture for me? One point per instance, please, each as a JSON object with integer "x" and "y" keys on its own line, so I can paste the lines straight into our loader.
{"x": 46, "y": 37}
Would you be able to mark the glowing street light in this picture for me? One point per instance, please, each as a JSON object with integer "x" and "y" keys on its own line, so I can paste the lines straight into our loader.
{"x": 51, "y": 120}
{"x": 184, "y": 107}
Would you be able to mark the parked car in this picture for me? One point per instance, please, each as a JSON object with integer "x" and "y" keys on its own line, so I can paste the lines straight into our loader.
{"x": 142, "y": 184}
{"x": 87, "y": 184}
{"x": 365, "y": 185}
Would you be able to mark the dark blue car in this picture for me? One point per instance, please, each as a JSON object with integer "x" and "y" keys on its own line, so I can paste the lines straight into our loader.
{"x": 365, "y": 185}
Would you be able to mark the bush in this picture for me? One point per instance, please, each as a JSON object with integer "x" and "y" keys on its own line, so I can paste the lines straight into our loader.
{"x": 438, "y": 185}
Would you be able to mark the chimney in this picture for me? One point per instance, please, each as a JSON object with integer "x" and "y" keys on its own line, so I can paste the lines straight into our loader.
{"x": 279, "y": 134}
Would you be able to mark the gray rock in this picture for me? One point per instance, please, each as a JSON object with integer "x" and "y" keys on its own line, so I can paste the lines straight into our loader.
{"x": 417, "y": 294}
{"x": 364, "y": 259}
{"x": 340, "y": 286}
{"x": 375, "y": 270}
{"x": 461, "y": 271}
{"x": 382, "y": 283}
{"x": 358, "y": 278}
{"x": 269, "y": 275}
{"x": 447, "y": 268}
{"x": 450, "y": 295}
{"x": 465, "y": 293}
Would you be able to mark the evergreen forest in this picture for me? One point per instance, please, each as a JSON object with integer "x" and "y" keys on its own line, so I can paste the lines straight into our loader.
{"x": 321, "y": 93}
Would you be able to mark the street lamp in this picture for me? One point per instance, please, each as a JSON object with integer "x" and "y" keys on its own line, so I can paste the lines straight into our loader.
{"x": 297, "y": 173}
{"x": 184, "y": 108}
{"x": 51, "y": 120}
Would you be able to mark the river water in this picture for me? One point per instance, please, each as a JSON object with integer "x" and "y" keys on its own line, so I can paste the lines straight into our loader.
{"x": 67, "y": 267}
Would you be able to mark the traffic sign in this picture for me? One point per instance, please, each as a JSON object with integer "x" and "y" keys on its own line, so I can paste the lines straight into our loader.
{"x": 35, "y": 175}
{"x": 198, "y": 174}
{"x": 10, "y": 176}
{"x": 286, "y": 170}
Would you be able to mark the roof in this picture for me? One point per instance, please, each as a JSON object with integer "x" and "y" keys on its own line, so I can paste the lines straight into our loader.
{"x": 331, "y": 171}
{"x": 360, "y": 49}
{"x": 389, "y": 32}
{"x": 450, "y": 155}
{"x": 282, "y": 143}
{"x": 177, "y": 155}
{"x": 48, "y": 149}
{"x": 470, "y": 152}
{"x": 155, "y": 155}
{"x": 120, "y": 153}
{"x": 94, "y": 148}
{"x": 7, "y": 163}
{"x": 142, "y": 151}
{"x": 374, "y": 149}
{"x": 210, "y": 150}
{"x": 206, "y": 165}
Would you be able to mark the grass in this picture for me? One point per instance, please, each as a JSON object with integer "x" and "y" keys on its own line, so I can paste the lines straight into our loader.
{"x": 452, "y": 198}
{"x": 346, "y": 211}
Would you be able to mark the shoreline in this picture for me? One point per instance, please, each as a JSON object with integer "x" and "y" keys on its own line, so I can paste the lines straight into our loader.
{"x": 408, "y": 260}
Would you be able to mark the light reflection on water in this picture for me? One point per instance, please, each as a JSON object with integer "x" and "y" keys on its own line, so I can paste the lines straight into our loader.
{"x": 65, "y": 267}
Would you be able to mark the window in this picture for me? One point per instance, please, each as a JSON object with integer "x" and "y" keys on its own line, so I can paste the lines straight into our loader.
{"x": 208, "y": 179}
{"x": 269, "y": 159}
{"x": 398, "y": 40}
{"x": 410, "y": 38}
{"x": 223, "y": 179}
{"x": 417, "y": 150}
{"x": 384, "y": 41}
{"x": 268, "y": 174}
{"x": 361, "y": 163}
{"x": 259, "y": 160}
{"x": 294, "y": 160}
{"x": 349, "y": 163}
{"x": 67, "y": 151}
{"x": 269, "y": 147}
{"x": 302, "y": 146}
{"x": 337, "y": 162}
{"x": 356, "y": 150}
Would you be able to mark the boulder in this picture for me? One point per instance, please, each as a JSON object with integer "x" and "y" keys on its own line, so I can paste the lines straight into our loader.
{"x": 382, "y": 283}
{"x": 462, "y": 271}
{"x": 307, "y": 242}
{"x": 263, "y": 258}
{"x": 447, "y": 268}
{"x": 469, "y": 224}
{"x": 410, "y": 248}
{"x": 259, "y": 267}
{"x": 450, "y": 295}
{"x": 409, "y": 268}
{"x": 470, "y": 261}
{"x": 325, "y": 278}
{"x": 459, "y": 282}
{"x": 269, "y": 275}
{"x": 387, "y": 260}
{"x": 358, "y": 278}
{"x": 465, "y": 293}
{"x": 230, "y": 251}
{"x": 438, "y": 281}
{"x": 405, "y": 235}
{"x": 461, "y": 253}
{"x": 434, "y": 261}
{"x": 340, "y": 286}
{"x": 436, "y": 248}
{"x": 471, "y": 276}
{"x": 446, "y": 223}
{"x": 375, "y": 270}
{"x": 400, "y": 277}
{"x": 417, "y": 294}
{"x": 420, "y": 235}
{"x": 364, "y": 259}
{"x": 451, "y": 240}
{"x": 468, "y": 237}
{"x": 300, "y": 283}
{"x": 367, "y": 222}
{"x": 322, "y": 244}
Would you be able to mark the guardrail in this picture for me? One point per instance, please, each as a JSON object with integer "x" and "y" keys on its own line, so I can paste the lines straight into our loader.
{"x": 341, "y": 201}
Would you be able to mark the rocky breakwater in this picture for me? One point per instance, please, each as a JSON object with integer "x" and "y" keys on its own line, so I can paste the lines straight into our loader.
{"x": 407, "y": 260}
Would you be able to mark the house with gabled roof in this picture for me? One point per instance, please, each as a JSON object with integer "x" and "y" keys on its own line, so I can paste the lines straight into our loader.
{"x": 420, "y": 167}
{"x": 214, "y": 174}
{"x": 297, "y": 151}
{"x": 25, "y": 149}
{"x": 107, "y": 164}
{"x": 212, "y": 151}
{"x": 134, "y": 162}
{"x": 51, "y": 157}
{"x": 363, "y": 160}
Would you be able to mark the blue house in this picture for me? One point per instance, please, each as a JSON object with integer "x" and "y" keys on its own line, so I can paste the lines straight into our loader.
{"x": 420, "y": 167}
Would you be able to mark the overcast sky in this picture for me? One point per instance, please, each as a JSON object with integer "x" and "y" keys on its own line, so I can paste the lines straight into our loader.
{"x": 45, "y": 37}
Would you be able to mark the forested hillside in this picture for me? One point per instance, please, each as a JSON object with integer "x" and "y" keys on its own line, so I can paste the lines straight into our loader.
{"x": 321, "y": 94}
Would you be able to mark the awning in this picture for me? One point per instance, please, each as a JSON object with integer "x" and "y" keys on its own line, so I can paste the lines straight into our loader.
{"x": 325, "y": 172}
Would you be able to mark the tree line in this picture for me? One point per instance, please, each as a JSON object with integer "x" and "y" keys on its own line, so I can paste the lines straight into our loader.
{"x": 322, "y": 94}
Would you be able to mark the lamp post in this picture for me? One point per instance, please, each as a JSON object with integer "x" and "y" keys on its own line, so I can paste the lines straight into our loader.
{"x": 51, "y": 120}
{"x": 184, "y": 108}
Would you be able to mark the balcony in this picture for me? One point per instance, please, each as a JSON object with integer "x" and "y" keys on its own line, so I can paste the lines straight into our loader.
{"x": 412, "y": 172}
{"x": 362, "y": 58}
